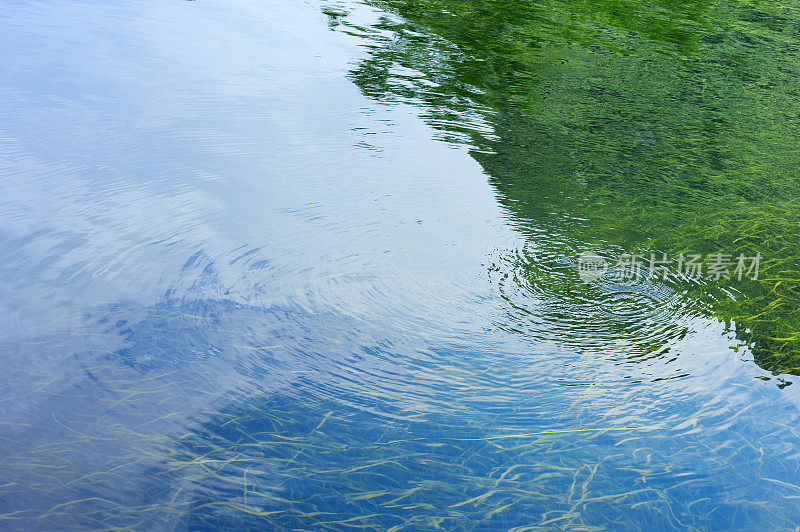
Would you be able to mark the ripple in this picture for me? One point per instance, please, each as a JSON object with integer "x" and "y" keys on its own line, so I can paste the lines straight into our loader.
{"x": 546, "y": 300}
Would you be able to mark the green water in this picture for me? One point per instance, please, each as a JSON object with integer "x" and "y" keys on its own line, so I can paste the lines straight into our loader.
{"x": 667, "y": 127}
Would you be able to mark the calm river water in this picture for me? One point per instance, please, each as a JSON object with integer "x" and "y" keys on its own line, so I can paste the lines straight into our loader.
{"x": 289, "y": 265}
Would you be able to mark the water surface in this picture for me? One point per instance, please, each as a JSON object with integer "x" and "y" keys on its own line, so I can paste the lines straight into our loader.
{"x": 283, "y": 265}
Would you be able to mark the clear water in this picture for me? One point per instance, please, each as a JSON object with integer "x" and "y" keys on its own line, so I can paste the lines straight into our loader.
{"x": 311, "y": 266}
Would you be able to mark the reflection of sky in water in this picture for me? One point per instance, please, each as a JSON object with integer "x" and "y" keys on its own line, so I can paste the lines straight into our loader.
{"x": 236, "y": 291}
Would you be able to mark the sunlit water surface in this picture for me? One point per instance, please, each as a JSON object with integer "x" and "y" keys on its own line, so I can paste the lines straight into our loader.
{"x": 239, "y": 292}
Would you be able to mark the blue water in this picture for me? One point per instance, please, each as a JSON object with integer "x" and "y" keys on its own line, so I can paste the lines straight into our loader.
{"x": 239, "y": 293}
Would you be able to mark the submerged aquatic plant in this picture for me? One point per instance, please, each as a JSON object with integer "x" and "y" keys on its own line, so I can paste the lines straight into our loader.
{"x": 626, "y": 127}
